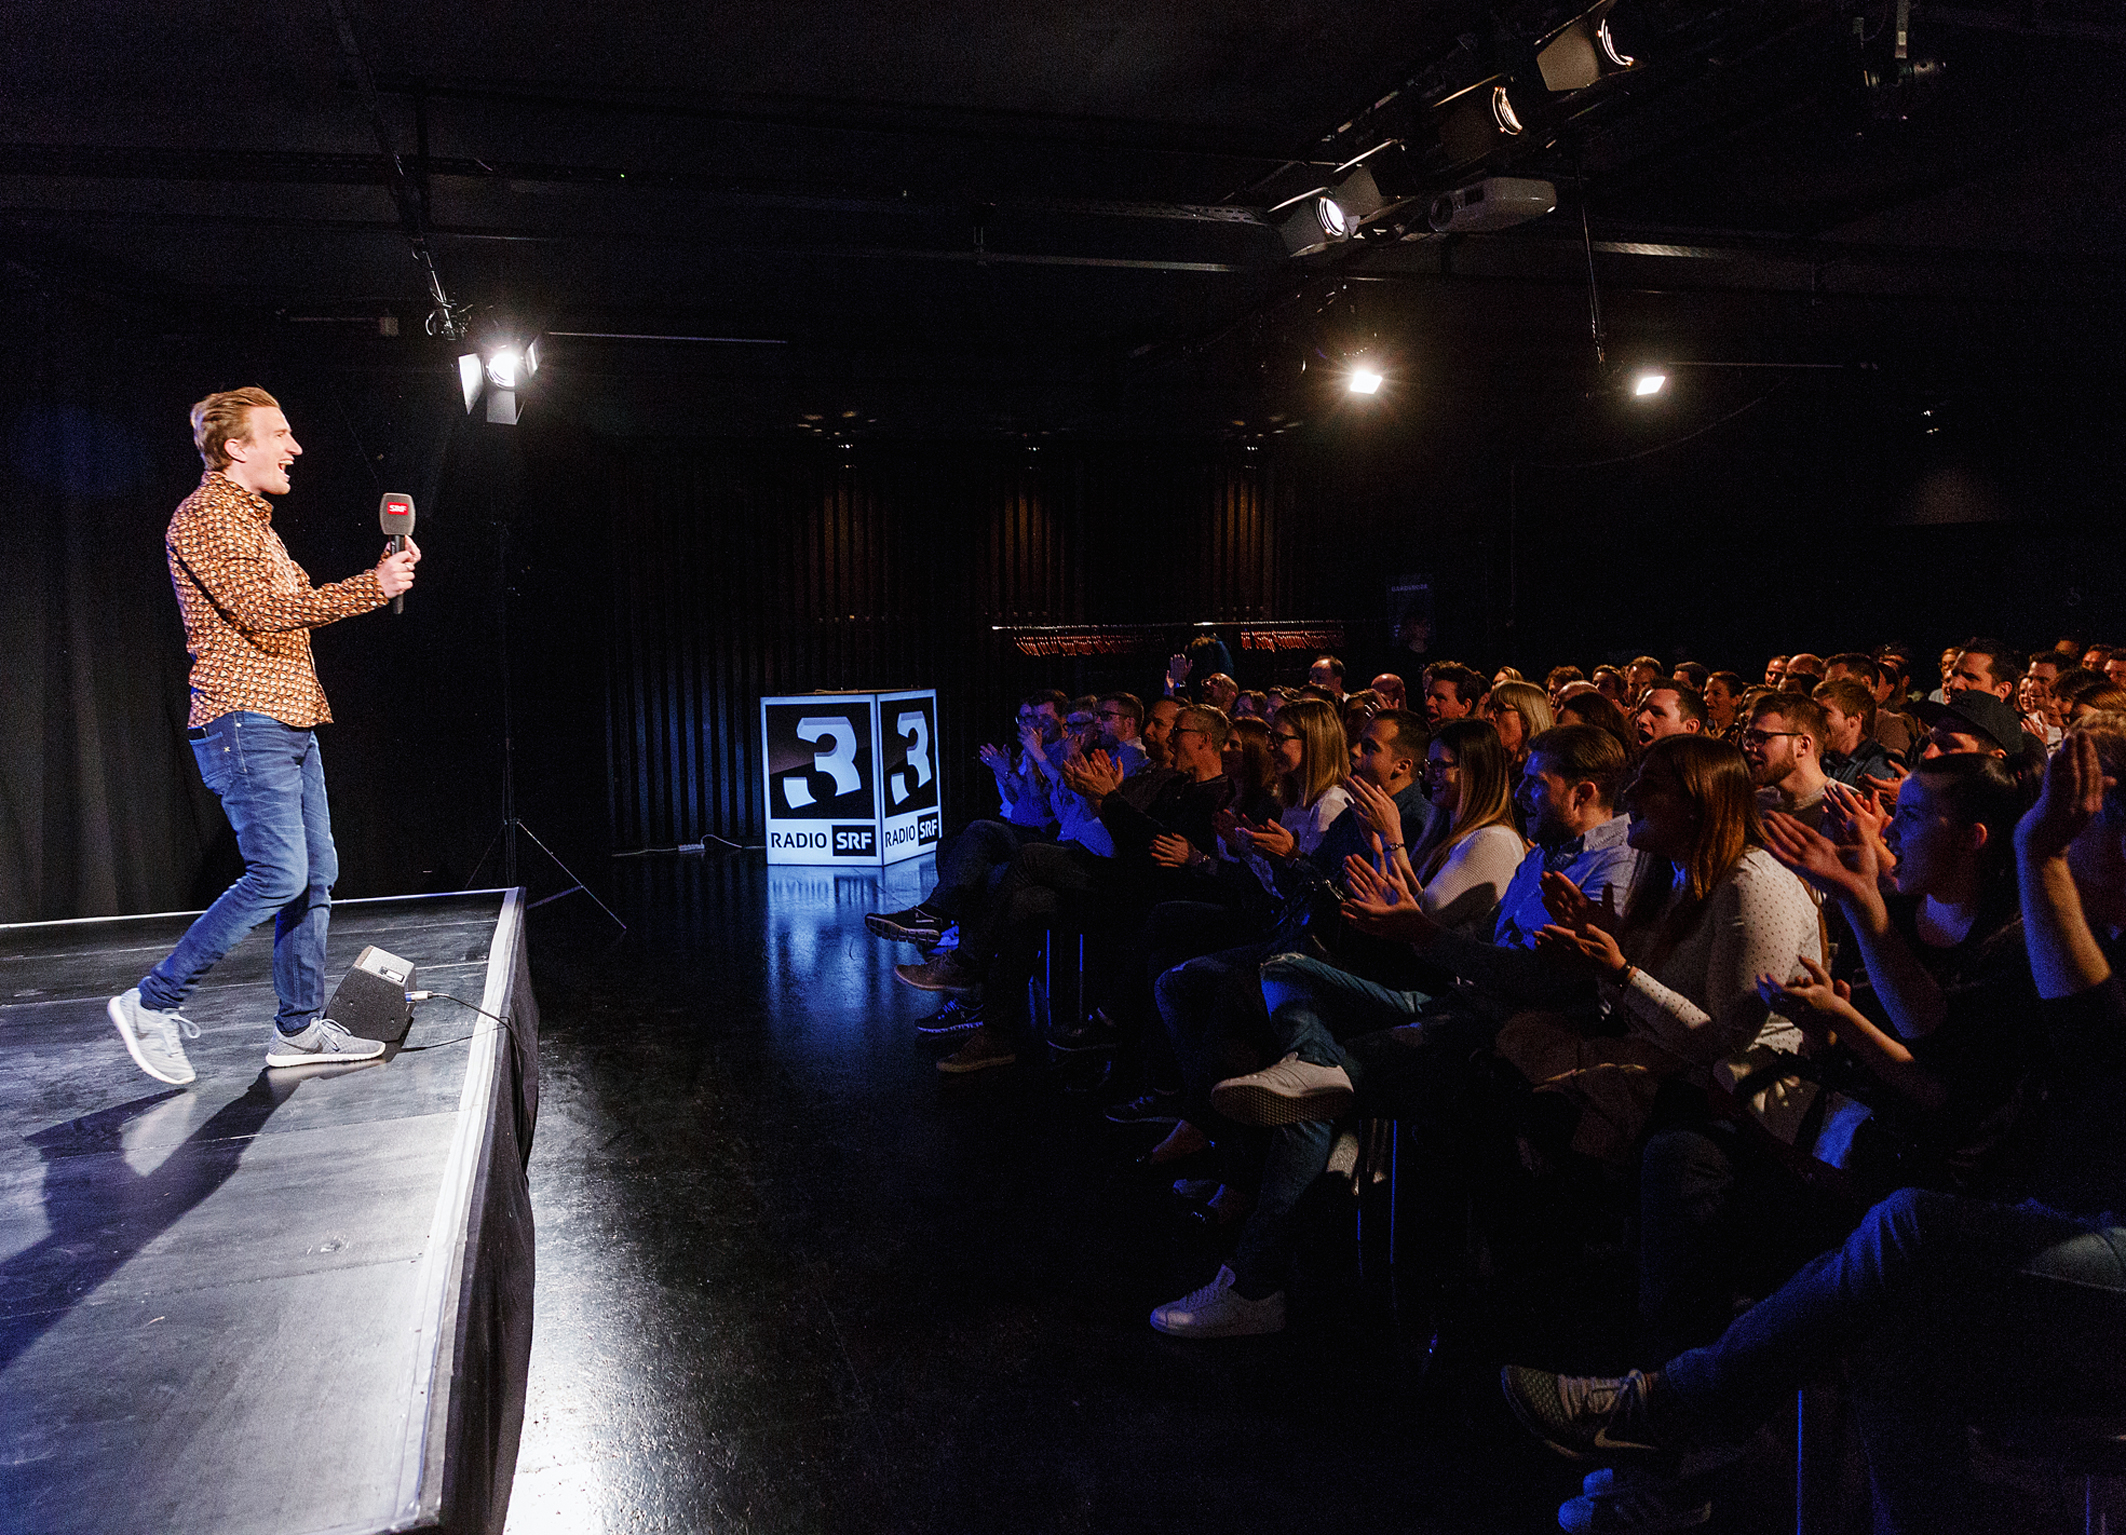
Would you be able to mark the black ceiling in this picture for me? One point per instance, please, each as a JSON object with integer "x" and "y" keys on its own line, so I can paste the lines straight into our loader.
{"x": 1020, "y": 214}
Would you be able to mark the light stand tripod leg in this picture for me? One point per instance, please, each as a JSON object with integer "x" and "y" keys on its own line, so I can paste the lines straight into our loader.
{"x": 516, "y": 826}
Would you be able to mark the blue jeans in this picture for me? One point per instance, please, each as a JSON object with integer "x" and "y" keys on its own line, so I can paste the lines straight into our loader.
{"x": 1948, "y": 1311}
{"x": 271, "y": 783}
{"x": 1395, "y": 1069}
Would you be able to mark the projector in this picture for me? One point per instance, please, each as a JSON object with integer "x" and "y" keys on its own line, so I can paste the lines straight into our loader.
{"x": 1496, "y": 202}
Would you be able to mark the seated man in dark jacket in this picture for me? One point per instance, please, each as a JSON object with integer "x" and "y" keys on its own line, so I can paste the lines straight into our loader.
{"x": 1047, "y": 881}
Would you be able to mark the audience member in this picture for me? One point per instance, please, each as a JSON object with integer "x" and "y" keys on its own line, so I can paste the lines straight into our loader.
{"x": 1641, "y": 673}
{"x": 1327, "y": 673}
{"x": 1775, "y": 672}
{"x": 1609, "y": 682}
{"x": 1723, "y": 697}
{"x": 1851, "y": 752}
{"x": 1984, "y": 666}
{"x": 1695, "y": 673}
{"x": 1943, "y": 1309}
{"x": 1519, "y": 711}
{"x": 1452, "y": 692}
{"x": 1555, "y": 682}
{"x": 1598, "y": 710}
{"x": 1388, "y": 687}
{"x": 1784, "y": 748}
{"x": 1668, "y": 708}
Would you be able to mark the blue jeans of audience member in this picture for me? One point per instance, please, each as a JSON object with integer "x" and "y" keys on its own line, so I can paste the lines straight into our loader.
{"x": 271, "y": 783}
{"x": 1949, "y": 1311}
{"x": 1402, "y": 1057}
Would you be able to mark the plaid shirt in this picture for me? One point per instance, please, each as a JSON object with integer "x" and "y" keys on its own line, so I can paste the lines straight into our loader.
{"x": 249, "y": 608}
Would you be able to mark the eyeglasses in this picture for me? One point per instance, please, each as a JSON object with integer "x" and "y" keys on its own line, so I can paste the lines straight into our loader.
{"x": 1764, "y": 737}
{"x": 1189, "y": 730}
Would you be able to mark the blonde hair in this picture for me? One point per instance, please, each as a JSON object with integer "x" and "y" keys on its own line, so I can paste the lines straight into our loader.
{"x": 1324, "y": 750}
{"x": 223, "y": 418}
{"x": 1527, "y": 700}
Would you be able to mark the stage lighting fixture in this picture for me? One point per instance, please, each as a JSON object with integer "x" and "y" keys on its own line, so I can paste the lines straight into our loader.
{"x": 1365, "y": 380}
{"x": 502, "y": 365}
{"x": 1649, "y": 382}
{"x": 1581, "y": 53}
{"x": 1319, "y": 223}
{"x": 1483, "y": 118}
{"x": 1358, "y": 195}
{"x": 1502, "y": 112}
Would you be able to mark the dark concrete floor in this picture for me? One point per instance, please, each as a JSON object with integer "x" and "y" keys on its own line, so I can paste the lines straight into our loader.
{"x": 791, "y": 1279}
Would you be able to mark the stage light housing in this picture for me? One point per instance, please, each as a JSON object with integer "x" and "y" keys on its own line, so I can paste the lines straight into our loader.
{"x": 503, "y": 364}
{"x": 1359, "y": 196}
{"x": 1581, "y": 53}
{"x": 470, "y": 379}
{"x": 1502, "y": 112}
{"x": 1316, "y": 225}
{"x": 1648, "y": 383}
{"x": 1365, "y": 380}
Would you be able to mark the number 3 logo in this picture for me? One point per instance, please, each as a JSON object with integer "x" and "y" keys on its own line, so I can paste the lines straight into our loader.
{"x": 914, "y": 729}
{"x": 837, "y": 759}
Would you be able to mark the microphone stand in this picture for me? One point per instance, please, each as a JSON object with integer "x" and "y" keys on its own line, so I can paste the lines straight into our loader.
{"x": 512, "y": 823}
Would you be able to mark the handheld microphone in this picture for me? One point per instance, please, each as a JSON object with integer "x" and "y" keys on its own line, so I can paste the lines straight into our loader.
{"x": 395, "y": 514}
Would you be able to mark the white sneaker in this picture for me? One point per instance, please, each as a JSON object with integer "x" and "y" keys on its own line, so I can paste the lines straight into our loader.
{"x": 155, "y": 1040}
{"x": 1216, "y": 1312}
{"x": 1284, "y": 1094}
{"x": 323, "y": 1043}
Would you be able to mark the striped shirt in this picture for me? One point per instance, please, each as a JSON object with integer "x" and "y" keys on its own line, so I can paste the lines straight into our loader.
{"x": 249, "y": 609}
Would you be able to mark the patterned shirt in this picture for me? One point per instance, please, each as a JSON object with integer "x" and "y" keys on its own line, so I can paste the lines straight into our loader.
{"x": 249, "y": 608}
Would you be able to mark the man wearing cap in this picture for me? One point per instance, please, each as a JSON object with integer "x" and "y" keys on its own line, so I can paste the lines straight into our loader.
{"x": 1972, "y": 721}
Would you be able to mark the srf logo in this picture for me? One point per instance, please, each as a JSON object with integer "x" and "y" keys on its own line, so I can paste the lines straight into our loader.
{"x": 856, "y": 841}
{"x": 819, "y": 761}
{"x": 909, "y": 753}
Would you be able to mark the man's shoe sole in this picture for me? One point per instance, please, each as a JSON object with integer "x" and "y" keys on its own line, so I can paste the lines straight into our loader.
{"x": 928, "y": 983}
{"x": 132, "y": 1047}
{"x": 953, "y": 1066}
{"x": 931, "y": 1030}
{"x": 927, "y": 937}
{"x": 286, "y": 1058}
{"x": 1156, "y": 1116}
{"x": 1250, "y": 1103}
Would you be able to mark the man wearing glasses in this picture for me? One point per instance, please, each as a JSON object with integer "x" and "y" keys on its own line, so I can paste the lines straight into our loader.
{"x": 1784, "y": 748}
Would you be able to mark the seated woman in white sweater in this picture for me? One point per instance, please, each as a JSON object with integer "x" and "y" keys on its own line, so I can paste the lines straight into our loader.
{"x": 1710, "y": 911}
{"x": 1469, "y": 852}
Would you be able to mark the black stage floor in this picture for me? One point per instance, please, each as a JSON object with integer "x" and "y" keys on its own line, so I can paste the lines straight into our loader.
{"x": 791, "y": 1279}
{"x": 242, "y": 1305}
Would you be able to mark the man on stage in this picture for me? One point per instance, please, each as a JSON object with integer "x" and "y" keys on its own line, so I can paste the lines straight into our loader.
{"x": 248, "y": 612}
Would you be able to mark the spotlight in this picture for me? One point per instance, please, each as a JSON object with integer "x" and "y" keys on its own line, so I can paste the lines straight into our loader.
{"x": 505, "y": 367}
{"x": 1581, "y": 53}
{"x": 1483, "y": 118}
{"x": 1649, "y": 382}
{"x": 1502, "y": 112}
{"x": 1358, "y": 195}
{"x": 1321, "y": 223}
{"x": 1365, "y": 380}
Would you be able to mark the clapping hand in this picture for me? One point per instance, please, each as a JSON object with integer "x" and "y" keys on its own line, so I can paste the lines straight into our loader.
{"x": 1586, "y": 946}
{"x": 1860, "y": 819}
{"x": 2072, "y": 797}
{"x": 1172, "y": 851}
{"x": 995, "y": 758}
{"x": 1095, "y": 775}
{"x": 1270, "y": 839}
{"x": 1887, "y": 787}
{"x": 1177, "y": 669}
{"x": 1812, "y": 1002}
{"x": 1845, "y": 873}
{"x": 1569, "y": 907}
{"x": 1380, "y": 903}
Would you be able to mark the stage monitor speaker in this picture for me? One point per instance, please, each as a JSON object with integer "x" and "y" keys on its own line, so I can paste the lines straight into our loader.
{"x": 371, "y": 1002}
